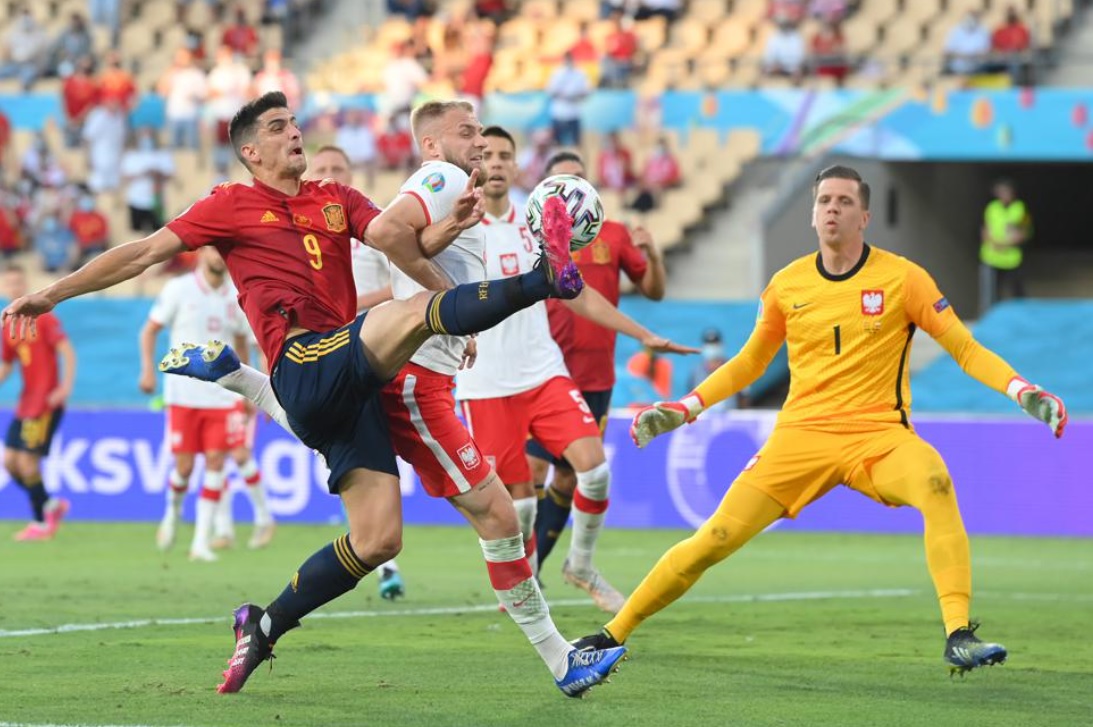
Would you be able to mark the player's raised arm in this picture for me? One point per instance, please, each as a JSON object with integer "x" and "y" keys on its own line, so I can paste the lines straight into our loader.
{"x": 930, "y": 310}
{"x": 592, "y": 305}
{"x": 395, "y": 234}
{"x": 112, "y": 267}
{"x": 736, "y": 374}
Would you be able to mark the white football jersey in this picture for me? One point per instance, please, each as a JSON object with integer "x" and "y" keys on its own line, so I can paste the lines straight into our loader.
{"x": 517, "y": 354}
{"x": 371, "y": 271}
{"x": 437, "y": 185}
{"x": 193, "y": 312}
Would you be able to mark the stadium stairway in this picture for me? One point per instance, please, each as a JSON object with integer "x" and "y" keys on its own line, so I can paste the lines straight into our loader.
{"x": 1049, "y": 342}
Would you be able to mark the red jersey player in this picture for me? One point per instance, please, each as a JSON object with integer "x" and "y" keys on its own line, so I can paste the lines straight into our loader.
{"x": 589, "y": 348}
{"x": 286, "y": 243}
{"x": 39, "y": 410}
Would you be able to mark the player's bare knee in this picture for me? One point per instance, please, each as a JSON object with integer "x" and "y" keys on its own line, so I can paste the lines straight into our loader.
{"x": 418, "y": 305}
{"x": 11, "y": 462}
{"x": 586, "y": 454}
{"x": 377, "y": 547}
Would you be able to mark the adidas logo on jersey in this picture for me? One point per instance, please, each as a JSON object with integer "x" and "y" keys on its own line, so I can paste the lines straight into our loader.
{"x": 270, "y": 217}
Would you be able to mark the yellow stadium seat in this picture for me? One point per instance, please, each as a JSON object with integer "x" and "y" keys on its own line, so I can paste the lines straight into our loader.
{"x": 652, "y": 33}
{"x": 539, "y": 9}
{"x": 581, "y": 10}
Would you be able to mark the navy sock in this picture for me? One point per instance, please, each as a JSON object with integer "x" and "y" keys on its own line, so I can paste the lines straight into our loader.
{"x": 331, "y": 571}
{"x": 550, "y": 520}
{"x": 477, "y": 307}
{"x": 38, "y": 498}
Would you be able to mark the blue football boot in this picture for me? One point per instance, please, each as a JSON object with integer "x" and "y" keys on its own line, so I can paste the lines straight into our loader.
{"x": 965, "y": 651}
{"x": 391, "y": 585}
{"x": 208, "y": 363}
{"x": 586, "y": 669}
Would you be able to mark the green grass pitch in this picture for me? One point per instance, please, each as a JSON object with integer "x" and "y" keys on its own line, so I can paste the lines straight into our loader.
{"x": 796, "y": 629}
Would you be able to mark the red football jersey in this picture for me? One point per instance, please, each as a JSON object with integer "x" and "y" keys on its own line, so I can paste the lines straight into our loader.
{"x": 288, "y": 256}
{"x": 37, "y": 354}
{"x": 589, "y": 348}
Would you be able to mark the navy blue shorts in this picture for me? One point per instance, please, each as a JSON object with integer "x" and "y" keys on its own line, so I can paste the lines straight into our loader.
{"x": 600, "y": 404}
{"x": 34, "y": 435}
{"x": 329, "y": 392}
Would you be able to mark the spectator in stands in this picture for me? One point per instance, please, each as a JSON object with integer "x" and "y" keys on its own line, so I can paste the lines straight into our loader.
{"x": 828, "y": 52}
{"x": 89, "y": 227}
{"x": 241, "y": 36}
{"x": 79, "y": 94}
{"x": 184, "y": 87}
{"x": 11, "y": 238}
{"x": 72, "y": 44}
{"x": 54, "y": 242}
{"x": 784, "y": 54}
{"x": 1009, "y": 46}
{"x": 532, "y": 161}
{"x": 967, "y": 46}
{"x": 395, "y": 145}
{"x": 614, "y": 165}
{"x": 108, "y": 14}
{"x": 713, "y": 356}
{"x": 5, "y": 142}
{"x": 831, "y": 11}
{"x": 661, "y": 172}
{"x": 228, "y": 88}
{"x": 104, "y": 132}
{"x": 497, "y": 11}
{"x": 403, "y": 78}
{"x": 655, "y": 368}
{"x": 275, "y": 77}
{"x": 568, "y": 87}
{"x": 667, "y": 9}
{"x": 628, "y": 8}
{"x": 26, "y": 46}
{"x": 620, "y": 53}
{"x": 357, "y": 139}
{"x": 479, "y": 63}
{"x": 146, "y": 169}
{"x": 195, "y": 43}
{"x": 115, "y": 82}
{"x": 1007, "y": 228}
{"x": 787, "y": 11}
{"x": 40, "y": 166}
{"x": 410, "y": 9}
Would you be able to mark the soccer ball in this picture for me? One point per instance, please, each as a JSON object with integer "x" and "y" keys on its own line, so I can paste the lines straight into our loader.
{"x": 581, "y": 200}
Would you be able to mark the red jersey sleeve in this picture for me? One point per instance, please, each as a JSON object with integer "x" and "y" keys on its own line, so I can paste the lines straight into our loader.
{"x": 208, "y": 220}
{"x": 631, "y": 259}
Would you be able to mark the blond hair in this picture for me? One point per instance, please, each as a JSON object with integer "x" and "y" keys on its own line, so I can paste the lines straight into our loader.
{"x": 430, "y": 111}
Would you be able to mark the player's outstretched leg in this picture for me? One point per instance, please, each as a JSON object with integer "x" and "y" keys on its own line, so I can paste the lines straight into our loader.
{"x": 965, "y": 651}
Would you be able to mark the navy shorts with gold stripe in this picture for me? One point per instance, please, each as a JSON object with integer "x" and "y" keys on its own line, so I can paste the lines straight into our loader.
{"x": 34, "y": 435}
{"x": 329, "y": 392}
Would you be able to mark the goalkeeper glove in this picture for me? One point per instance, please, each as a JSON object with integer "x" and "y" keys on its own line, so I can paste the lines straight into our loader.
{"x": 1041, "y": 405}
{"x": 664, "y": 416}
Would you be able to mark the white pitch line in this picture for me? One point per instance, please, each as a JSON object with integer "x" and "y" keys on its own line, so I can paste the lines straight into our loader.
{"x": 51, "y": 724}
{"x": 456, "y": 610}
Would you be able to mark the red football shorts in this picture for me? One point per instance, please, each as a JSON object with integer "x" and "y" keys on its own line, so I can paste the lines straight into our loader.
{"x": 554, "y": 413}
{"x": 196, "y": 431}
{"x": 426, "y": 432}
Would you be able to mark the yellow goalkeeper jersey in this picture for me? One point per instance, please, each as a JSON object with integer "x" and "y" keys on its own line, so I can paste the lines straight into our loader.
{"x": 849, "y": 341}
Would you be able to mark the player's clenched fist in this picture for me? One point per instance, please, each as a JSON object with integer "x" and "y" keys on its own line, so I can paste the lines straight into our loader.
{"x": 664, "y": 416}
{"x": 1041, "y": 405}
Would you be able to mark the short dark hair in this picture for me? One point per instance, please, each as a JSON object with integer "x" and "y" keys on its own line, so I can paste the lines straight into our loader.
{"x": 244, "y": 124}
{"x": 840, "y": 172}
{"x": 336, "y": 149}
{"x": 559, "y": 157}
{"x": 499, "y": 133}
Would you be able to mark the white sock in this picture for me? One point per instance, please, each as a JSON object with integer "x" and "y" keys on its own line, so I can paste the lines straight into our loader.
{"x": 519, "y": 592}
{"x": 176, "y": 493}
{"x": 589, "y": 508}
{"x": 525, "y": 515}
{"x": 390, "y": 565}
{"x": 252, "y": 477}
{"x": 224, "y": 522}
{"x": 207, "y": 504}
{"x": 252, "y": 384}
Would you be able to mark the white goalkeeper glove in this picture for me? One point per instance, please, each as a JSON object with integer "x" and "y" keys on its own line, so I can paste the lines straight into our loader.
{"x": 1041, "y": 405}
{"x": 664, "y": 416}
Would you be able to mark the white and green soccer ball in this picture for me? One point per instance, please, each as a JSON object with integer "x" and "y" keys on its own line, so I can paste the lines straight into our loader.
{"x": 581, "y": 200}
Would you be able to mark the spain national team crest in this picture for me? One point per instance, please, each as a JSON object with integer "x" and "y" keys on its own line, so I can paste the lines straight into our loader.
{"x": 872, "y": 302}
{"x": 601, "y": 253}
{"x": 335, "y": 217}
{"x": 468, "y": 455}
